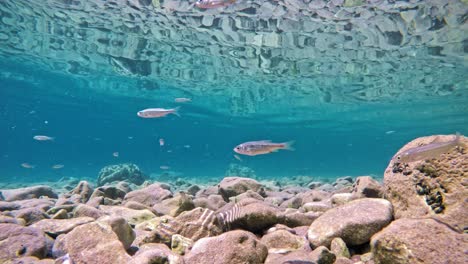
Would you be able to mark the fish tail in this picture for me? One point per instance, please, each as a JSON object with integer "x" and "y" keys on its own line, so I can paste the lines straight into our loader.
{"x": 288, "y": 145}
{"x": 176, "y": 111}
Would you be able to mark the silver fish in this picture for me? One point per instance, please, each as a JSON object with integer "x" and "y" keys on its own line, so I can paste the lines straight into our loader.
{"x": 253, "y": 148}
{"x": 157, "y": 112}
{"x": 43, "y": 138}
{"x": 429, "y": 151}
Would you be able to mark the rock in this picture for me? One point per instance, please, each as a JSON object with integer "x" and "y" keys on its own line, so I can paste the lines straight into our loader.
{"x": 133, "y": 217}
{"x": 365, "y": 186}
{"x": 343, "y": 260}
{"x": 121, "y": 228}
{"x": 354, "y": 222}
{"x": 297, "y": 218}
{"x": 121, "y": 172}
{"x": 95, "y": 201}
{"x": 43, "y": 204}
{"x": 180, "y": 244}
{"x": 30, "y": 215}
{"x": 30, "y": 260}
{"x": 341, "y": 199}
{"x": 316, "y": 207}
{"x": 213, "y": 202}
{"x": 11, "y": 220}
{"x": 339, "y": 248}
{"x": 91, "y": 243}
{"x": 208, "y": 191}
{"x": 314, "y": 185}
{"x": 149, "y": 195}
{"x": 232, "y": 247}
{"x": 27, "y": 193}
{"x": 249, "y": 214}
{"x": 60, "y": 214}
{"x": 55, "y": 227}
{"x": 174, "y": 206}
{"x": 233, "y": 186}
{"x": 419, "y": 241}
{"x": 109, "y": 192}
{"x": 86, "y": 210}
{"x": 9, "y": 206}
{"x": 247, "y": 194}
{"x": 433, "y": 188}
{"x": 282, "y": 241}
{"x": 83, "y": 190}
{"x": 138, "y": 206}
{"x": 152, "y": 253}
{"x": 322, "y": 255}
{"x": 19, "y": 241}
{"x": 193, "y": 189}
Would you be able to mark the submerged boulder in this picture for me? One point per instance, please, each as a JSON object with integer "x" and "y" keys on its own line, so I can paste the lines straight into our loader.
{"x": 121, "y": 172}
{"x": 419, "y": 241}
{"x": 233, "y": 186}
{"x": 231, "y": 247}
{"x": 27, "y": 193}
{"x": 149, "y": 195}
{"x": 19, "y": 241}
{"x": 434, "y": 187}
{"x": 354, "y": 222}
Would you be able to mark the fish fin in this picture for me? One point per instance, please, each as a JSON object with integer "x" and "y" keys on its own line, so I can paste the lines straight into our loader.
{"x": 176, "y": 111}
{"x": 288, "y": 145}
{"x": 265, "y": 141}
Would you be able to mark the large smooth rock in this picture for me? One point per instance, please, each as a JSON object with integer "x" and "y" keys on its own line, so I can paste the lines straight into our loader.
{"x": 282, "y": 241}
{"x": 365, "y": 186}
{"x": 232, "y": 247}
{"x": 419, "y": 241}
{"x": 355, "y": 222}
{"x": 83, "y": 210}
{"x": 434, "y": 188}
{"x": 153, "y": 253}
{"x": 149, "y": 195}
{"x": 174, "y": 206}
{"x": 91, "y": 243}
{"x": 30, "y": 215}
{"x": 233, "y": 186}
{"x": 19, "y": 241}
{"x": 121, "y": 172}
{"x": 27, "y": 193}
{"x": 55, "y": 227}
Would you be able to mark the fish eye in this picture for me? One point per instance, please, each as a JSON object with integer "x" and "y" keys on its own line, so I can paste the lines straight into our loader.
{"x": 398, "y": 157}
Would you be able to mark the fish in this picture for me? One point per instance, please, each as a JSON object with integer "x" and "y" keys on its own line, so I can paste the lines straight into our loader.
{"x": 57, "y": 166}
{"x": 157, "y": 112}
{"x": 237, "y": 157}
{"x": 27, "y": 165}
{"x": 161, "y": 142}
{"x": 206, "y": 4}
{"x": 390, "y": 132}
{"x": 163, "y": 167}
{"x": 253, "y": 148}
{"x": 115, "y": 154}
{"x": 186, "y": 146}
{"x": 182, "y": 100}
{"x": 429, "y": 151}
{"x": 43, "y": 138}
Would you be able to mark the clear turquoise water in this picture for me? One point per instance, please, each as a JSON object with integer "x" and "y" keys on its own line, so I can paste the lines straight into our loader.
{"x": 347, "y": 116}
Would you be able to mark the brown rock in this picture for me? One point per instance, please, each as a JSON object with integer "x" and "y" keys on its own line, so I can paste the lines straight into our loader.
{"x": 339, "y": 248}
{"x": 91, "y": 243}
{"x": 27, "y": 193}
{"x": 320, "y": 255}
{"x": 19, "y": 241}
{"x": 282, "y": 241}
{"x": 152, "y": 253}
{"x": 433, "y": 188}
{"x": 180, "y": 244}
{"x": 232, "y": 247}
{"x": 149, "y": 195}
{"x": 133, "y": 217}
{"x": 30, "y": 215}
{"x": 355, "y": 222}
{"x": 293, "y": 218}
{"x": 121, "y": 228}
{"x": 213, "y": 202}
{"x": 55, "y": 227}
{"x": 419, "y": 241}
{"x": 29, "y": 260}
{"x": 86, "y": 210}
{"x": 233, "y": 186}
{"x": 174, "y": 206}
{"x": 9, "y": 206}
{"x": 365, "y": 186}
{"x": 83, "y": 190}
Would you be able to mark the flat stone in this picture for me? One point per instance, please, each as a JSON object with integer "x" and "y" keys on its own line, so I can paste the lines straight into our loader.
{"x": 55, "y": 227}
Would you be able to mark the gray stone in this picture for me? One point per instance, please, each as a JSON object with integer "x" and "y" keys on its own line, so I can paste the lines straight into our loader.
{"x": 27, "y": 193}
{"x": 18, "y": 241}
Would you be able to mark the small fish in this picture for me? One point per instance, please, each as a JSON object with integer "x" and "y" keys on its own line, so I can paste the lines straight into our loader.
{"x": 206, "y": 4}
{"x": 57, "y": 166}
{"x": 237, "y": 157}
{"x": 254, "y": 148}
{"x": 186, "y": 146}
{"x": 157, "y": 112}
{"x": 130, "y": 137}
{"x": 390, "y": 132}
{"x": 161, "y": 142}
{"x": 429, "y": 151}
{"x": 43, "y": 138}
{"x": 115, "y": 154}
{"x": 27, "y": 165}
{"x": 182, "y": 100}
{"x": 163, "y": 167}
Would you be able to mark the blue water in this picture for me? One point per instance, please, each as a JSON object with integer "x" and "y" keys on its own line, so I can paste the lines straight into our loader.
{"x": 91, "y": 112}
